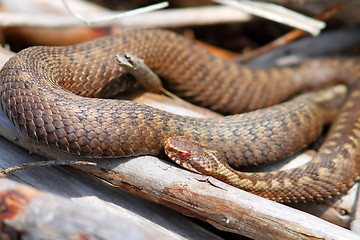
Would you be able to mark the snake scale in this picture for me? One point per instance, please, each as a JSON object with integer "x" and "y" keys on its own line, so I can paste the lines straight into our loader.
{"x": 49, "y": 93}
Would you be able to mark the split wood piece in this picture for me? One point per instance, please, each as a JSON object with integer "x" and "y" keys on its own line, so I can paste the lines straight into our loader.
{"x": 278, "y": 14}
{"x": 32, "y": 214}
{"x": 287, "y": 38}
{"x": 349, "y": 15}
{"x": 196, "y": 16}
{"x": 225, "y": 207}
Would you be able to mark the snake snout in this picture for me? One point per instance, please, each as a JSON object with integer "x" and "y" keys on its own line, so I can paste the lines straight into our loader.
{"x": 177, "y": 148}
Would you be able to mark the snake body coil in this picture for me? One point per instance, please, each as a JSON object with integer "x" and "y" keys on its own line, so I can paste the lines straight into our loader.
{"x": 32, "y": 87}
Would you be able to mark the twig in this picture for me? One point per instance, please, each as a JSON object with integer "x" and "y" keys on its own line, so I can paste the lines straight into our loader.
{"x": 278, "y": 14}
{"x": 48, "y": 163}
{"x": 291, "y": 36}
{"x": 113, "y": 17}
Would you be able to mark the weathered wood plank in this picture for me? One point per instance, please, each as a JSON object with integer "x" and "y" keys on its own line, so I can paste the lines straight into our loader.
{"x": 33, "y": 214}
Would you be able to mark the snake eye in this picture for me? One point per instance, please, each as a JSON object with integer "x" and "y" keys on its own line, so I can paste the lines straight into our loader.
{"x": 183, "y": 155}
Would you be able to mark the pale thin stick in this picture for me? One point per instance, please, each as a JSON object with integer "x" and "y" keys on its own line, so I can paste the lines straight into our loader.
{"x": 166, "y": 18}
{"x": 49, "y": 163}
{"x": 113, "y": 17}
{"x": 278, "y": 14}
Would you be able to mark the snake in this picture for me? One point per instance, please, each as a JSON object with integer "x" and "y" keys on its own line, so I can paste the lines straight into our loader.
{"x": 56, "y": 96}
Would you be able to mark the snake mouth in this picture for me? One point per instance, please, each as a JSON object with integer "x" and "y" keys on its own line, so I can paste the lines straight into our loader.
{"x": 171, "y": 151}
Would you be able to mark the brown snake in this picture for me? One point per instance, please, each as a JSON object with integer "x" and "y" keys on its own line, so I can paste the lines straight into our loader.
{"x": 32, "y": 87}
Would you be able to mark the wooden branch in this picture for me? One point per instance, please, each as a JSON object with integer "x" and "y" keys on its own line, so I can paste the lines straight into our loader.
{"x": 278, "y": 14}
{"x": 114, "y": 17}
{"x": 165, "y": 18}
{"x": 217, "y": 203}
{"x": 287, "y": 38}
{"x": 41, "y": 6}
{"x": 328, "y": 43}
{"x": 33, "y": 214}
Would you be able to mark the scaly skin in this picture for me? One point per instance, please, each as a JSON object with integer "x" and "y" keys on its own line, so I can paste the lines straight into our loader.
{"x": 33, "y": 97}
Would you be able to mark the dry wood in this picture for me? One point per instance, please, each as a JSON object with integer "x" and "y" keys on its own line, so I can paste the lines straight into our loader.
{"x": 114, "y": 17}
{"x": 41, "y": 6}
{"x": 278, "y": 14}
{"x": 329, "y": 43}
{"x": 34, "y": 214}
{"x": 349, "y": 15}
{"x": 287, "y": 38}
{"x": 221, "y": 205}
{"x": 165, "y": 18}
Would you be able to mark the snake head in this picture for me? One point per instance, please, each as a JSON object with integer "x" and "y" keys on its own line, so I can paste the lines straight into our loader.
{"x": 178, "y": 149}
{"x": 191, "y": 155}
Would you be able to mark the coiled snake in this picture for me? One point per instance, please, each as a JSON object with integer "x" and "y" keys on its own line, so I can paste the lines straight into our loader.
{"x": 33, "y": 85}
